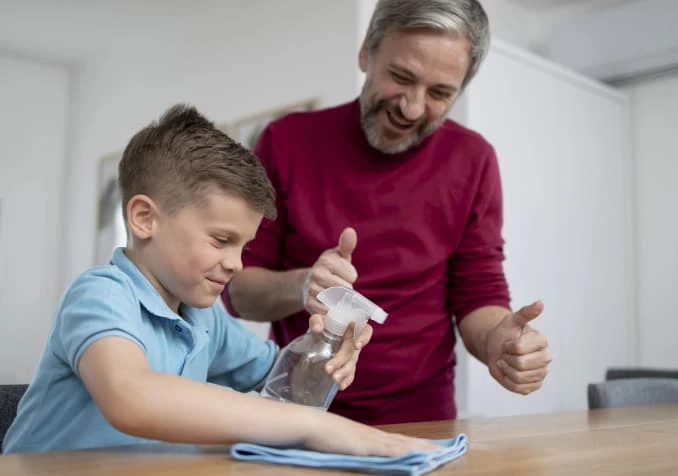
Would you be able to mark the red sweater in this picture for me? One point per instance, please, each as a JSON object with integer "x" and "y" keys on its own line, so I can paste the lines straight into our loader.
{"x": 429, "y": 247}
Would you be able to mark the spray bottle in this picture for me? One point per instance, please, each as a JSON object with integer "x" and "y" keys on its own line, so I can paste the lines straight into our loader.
{"x": 298, "y": 374}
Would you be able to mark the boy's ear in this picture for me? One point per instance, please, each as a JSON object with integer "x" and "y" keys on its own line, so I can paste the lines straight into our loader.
{"x": 142, "y": 214}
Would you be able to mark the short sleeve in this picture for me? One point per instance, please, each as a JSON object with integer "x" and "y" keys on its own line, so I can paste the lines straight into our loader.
{"x": 476, "y": 274}
{"x": 98, "y": 304}
{"x": 239, "y": 358}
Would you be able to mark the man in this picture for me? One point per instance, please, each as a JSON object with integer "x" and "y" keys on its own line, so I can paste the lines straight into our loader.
{"x": 387, "y": 195}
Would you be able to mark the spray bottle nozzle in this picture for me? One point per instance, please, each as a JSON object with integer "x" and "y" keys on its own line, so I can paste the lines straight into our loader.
{"x": 347, "y": 305}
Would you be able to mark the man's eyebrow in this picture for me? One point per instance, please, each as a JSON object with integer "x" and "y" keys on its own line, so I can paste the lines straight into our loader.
{"x": 402, "y": 70}
{"x": 447, "y": 87}
{"x": 406, "y": 72}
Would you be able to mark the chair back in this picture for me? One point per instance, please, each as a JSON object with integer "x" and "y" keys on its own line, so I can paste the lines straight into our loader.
{"x": 632, "y": 392}
{"x": 616, "y": 373}
{"x": 9, "y": 400}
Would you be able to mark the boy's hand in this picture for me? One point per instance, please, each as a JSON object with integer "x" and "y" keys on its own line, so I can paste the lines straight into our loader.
{"x": 342, "y": 366}
{"x": 331, "y": 433}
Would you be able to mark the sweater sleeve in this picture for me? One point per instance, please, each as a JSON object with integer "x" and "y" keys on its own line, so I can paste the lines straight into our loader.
{"x": 475, "y": 272}
{"x": 267, "y": 248}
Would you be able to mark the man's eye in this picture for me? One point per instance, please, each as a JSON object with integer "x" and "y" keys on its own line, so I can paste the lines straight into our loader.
{"x": 400, "y": 78}
{"x": 440, "y": 94}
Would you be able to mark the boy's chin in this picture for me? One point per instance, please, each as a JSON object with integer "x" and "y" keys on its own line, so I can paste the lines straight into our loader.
{"x": 201, "y": 302}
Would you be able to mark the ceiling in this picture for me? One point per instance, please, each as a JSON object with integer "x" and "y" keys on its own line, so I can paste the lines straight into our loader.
{"x": 69, "y": 31}
{"x": 54, "y": 31}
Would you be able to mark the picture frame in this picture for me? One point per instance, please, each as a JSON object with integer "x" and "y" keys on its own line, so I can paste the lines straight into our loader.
{"x": 110, "y": 228}
{"x": 247, "y": 129}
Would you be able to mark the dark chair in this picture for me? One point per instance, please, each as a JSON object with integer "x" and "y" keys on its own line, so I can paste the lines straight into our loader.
{"x": 616, "y": 373}
{"x": 9, "y": 400}
{"x": 632, "y": 392}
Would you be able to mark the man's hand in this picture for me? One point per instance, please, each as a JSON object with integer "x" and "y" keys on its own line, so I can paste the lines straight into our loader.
{"x": 332, "y": 268}
{"x": 342, "y": 366}
{"x": 518, "y": 355}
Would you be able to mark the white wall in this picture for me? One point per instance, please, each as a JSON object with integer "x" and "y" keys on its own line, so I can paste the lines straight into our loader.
{"x": 232, "y": 59}
{"x": 34, "y": 99}
{"x": 561, "y": 142}
{"x": 654, "y": 125}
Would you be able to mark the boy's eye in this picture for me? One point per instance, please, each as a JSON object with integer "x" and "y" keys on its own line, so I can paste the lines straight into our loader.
{"x": 221, "y": 241}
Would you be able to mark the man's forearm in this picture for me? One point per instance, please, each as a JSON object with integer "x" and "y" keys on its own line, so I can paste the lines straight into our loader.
{"x": 259, "y": 294}
{"x": 475, "y": 327}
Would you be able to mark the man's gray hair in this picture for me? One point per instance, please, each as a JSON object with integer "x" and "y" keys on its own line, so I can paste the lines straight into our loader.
{"x": 465, "y": 17}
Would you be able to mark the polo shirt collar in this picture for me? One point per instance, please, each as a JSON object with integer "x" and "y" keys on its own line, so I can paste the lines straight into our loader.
{"x": 148, "y": 296}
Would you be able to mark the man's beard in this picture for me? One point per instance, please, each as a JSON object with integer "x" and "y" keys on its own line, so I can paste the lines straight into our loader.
{"x": 368, "y": 119}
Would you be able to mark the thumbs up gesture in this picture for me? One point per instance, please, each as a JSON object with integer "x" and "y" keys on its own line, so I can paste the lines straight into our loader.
{"x": 332, "y": 268}
{"x": 518, "y": 355}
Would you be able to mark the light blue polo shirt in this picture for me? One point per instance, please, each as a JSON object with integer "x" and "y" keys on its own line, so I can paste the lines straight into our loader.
{"x": 207, "y": 345}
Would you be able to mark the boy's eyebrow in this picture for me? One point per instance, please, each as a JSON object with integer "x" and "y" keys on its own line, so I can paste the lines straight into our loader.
{"x": 226, "y": 231}
{"x": 231, "y": 232}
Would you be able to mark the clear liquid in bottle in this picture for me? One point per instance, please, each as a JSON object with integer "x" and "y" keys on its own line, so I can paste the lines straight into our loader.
{"x": 299, "y": 374}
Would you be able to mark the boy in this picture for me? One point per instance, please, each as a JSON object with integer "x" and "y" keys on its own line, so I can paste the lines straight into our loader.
{"x": 134, "y": 343}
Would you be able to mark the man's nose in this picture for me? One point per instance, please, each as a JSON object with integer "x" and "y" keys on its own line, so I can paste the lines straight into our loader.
{"x": 413, "y": 104}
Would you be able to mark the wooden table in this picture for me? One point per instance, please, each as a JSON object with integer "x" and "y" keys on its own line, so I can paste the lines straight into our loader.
{"x": 625, "y": 441}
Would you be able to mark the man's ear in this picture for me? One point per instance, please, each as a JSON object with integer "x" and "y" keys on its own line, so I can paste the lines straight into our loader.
{"x": 363, "y": 57}
{"x": 142, "y": 215}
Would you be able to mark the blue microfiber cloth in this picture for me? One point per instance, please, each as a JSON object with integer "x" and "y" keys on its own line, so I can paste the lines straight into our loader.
{"x": 412, "y": 464}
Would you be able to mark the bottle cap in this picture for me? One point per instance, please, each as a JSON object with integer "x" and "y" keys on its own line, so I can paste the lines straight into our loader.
{"x": 346, "y": 305}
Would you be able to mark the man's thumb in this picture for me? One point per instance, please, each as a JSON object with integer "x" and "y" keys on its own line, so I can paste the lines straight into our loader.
{"x": 347, "y": 242}
{"x": 525, "y": 314}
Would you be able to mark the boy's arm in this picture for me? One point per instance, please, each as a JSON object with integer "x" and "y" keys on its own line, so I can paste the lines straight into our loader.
{"x": 138, "y": 401}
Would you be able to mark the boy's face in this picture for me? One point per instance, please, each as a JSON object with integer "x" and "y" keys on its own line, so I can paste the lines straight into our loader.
{"x": 191, "y": 255}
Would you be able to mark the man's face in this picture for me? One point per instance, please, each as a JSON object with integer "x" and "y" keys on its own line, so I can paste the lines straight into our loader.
{"x": 412, "y": 81}
{"x": 195, "y": 252}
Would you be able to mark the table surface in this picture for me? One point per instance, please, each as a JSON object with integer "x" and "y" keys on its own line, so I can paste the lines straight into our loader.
{"x": 622, "y": 441}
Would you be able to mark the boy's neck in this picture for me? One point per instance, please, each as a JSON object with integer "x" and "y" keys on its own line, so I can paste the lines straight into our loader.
{"x": 136, "y": 256}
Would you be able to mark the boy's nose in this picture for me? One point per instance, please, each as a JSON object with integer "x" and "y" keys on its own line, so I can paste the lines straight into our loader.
{"x": 232, "y": 262}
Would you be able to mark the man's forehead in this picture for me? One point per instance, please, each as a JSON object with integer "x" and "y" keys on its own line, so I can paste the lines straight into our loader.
{"x": 433, "y": 53}
{"x": 412, "y": 35}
